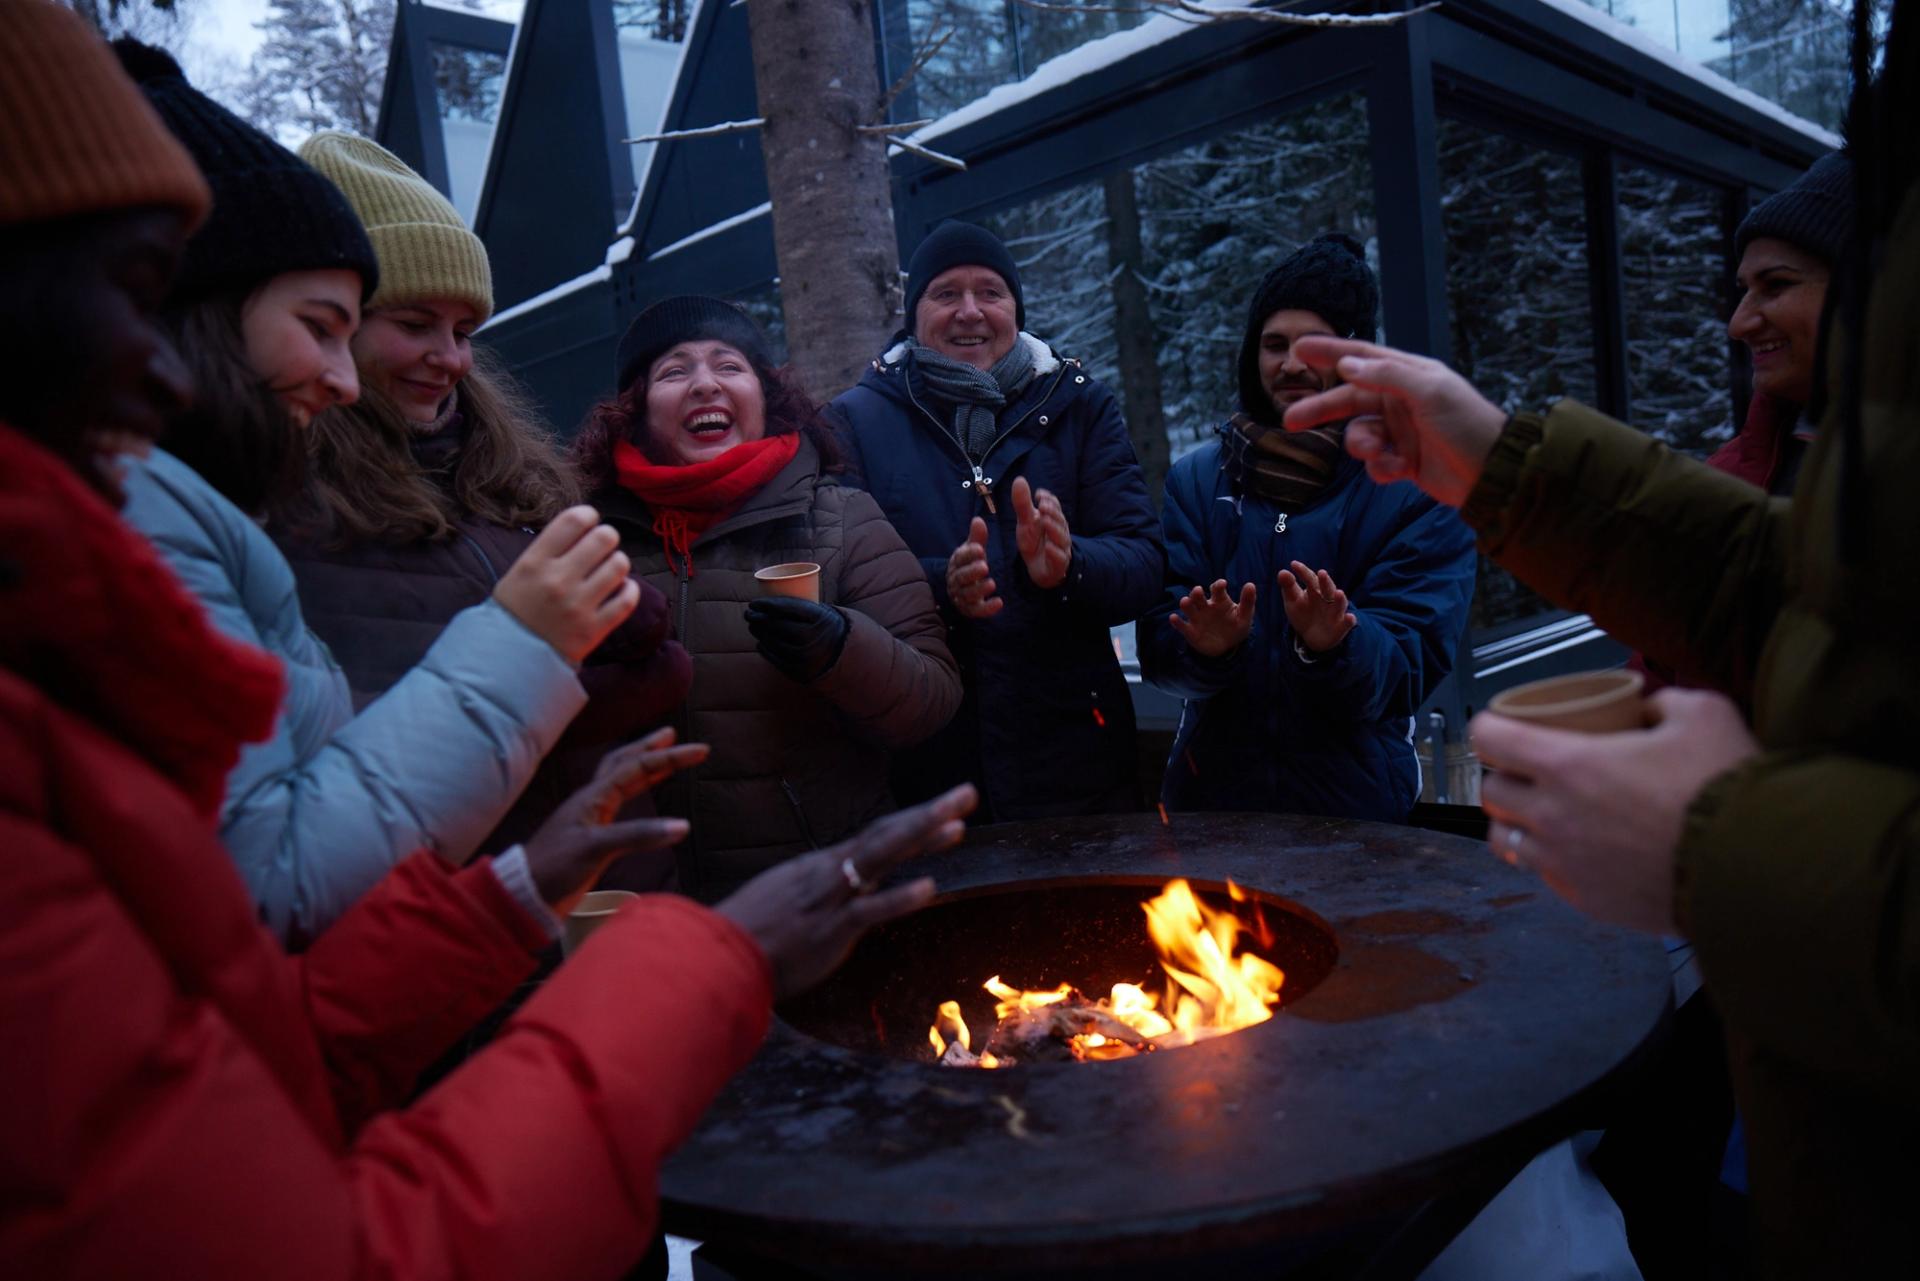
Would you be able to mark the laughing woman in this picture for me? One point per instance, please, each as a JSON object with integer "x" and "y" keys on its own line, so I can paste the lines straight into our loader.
{"x": 713, "y": 464}
{"x": 421, "y": 495}
{"x": 263, "y": 309}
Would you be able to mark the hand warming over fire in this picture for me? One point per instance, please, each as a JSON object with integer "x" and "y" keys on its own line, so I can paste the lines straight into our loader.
{"x": 1599, "y": 816}
{"x": 1212, "y": 622}
{"x": 1040, "y": 527}
{"x": 807, "y": 913}
{"x": 1315, "y": 607}
{"x": 566, "y": 856}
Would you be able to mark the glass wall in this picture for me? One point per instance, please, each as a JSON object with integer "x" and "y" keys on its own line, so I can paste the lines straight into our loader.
{"x": 1674, "y": 280}
{"x": 995, "y": 42}
{"x": 467, "y": 85}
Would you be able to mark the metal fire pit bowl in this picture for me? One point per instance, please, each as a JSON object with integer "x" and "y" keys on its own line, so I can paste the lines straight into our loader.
{"x": 1443, "y": 1016}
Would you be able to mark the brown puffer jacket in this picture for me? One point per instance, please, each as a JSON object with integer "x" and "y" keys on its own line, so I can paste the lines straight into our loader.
{"x": 794, "y": 766}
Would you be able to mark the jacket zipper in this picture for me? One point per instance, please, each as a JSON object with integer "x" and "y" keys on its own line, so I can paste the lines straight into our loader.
{"x": 806, "y": 828}
{"x": 485, "y": 563}
{"x": 980, "y": 484}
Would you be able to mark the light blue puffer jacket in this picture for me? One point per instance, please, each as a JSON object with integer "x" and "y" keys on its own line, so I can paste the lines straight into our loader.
{"x": 319, "y": 812}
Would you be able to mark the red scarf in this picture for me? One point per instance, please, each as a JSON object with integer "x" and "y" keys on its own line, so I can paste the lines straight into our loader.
{"x": 688, "y": 501}
{"x": 91, "y": 615}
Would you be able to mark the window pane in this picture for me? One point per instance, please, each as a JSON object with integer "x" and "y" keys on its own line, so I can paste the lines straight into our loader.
{"x": 1210, "y": 221}
{"x": 1517, "y": 291}
{"x": 1672, "y": 274}
{"x": 467, "y": 84}
{"x": 978, "y": 55}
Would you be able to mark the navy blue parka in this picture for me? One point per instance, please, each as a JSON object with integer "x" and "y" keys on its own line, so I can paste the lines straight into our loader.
{"x": 1264, "y": 729}
{"x": 1046, "y": 728}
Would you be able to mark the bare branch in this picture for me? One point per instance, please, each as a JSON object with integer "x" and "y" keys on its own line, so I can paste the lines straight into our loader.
{"x": 705, "y": 131}
{"x": 928, "y": 153}
{"x": 898, "y": 126}
{"x": 925, "y": 54}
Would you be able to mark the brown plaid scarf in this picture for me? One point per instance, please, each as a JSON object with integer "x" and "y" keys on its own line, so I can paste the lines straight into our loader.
{"x": 1288, "y": 468}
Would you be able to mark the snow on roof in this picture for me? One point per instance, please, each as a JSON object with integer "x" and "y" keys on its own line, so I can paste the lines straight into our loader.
{"x": 498, "y": 10}
{"x": 1095, "y": 55}
{"x": 718, "y": 227}
{"x": 1633, "y": 37}
{"x": 1082, "y": 60}
{"x": 584, "y": 280}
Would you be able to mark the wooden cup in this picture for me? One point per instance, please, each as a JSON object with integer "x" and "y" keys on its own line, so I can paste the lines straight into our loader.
{"x": 1590, "y": 702}
{"x": 796, "y": 578}
{"x": 589, "y": 914}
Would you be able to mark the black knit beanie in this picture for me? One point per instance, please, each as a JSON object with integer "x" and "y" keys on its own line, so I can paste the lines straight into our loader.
{"x": 1814, "y": 213}
{"x": 961, "y": 244}
{"x": 1328, "y": 276}
{"x": 272, "y": 212}
{"x": 687, "y": 318}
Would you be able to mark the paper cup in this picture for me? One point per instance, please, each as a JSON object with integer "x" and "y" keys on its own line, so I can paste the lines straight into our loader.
{"x": 1591, "y": 702}
{"x": 589, "y": 914}
{"x": 797, "y": 578}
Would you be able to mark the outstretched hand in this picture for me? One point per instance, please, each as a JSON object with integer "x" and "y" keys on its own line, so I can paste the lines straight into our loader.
{"x": 1040, "y": 528}
{"x": 570, "y": 586}
{"x": 566, "y": 856}
{"x": 969, "y": 581}
{"x": 1211, "y": 621}
{"x": 1599, "y": 816}
{"x": 1315, "y": 607}
{"x": 808, "y": 912}
{"x": 1412, "y": 418}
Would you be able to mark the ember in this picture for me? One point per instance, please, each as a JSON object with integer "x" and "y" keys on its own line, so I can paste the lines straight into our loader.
{"x": 1210, "y": 990}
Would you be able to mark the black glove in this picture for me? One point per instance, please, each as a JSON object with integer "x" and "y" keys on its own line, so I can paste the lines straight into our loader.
{"x": 802, "y": 638}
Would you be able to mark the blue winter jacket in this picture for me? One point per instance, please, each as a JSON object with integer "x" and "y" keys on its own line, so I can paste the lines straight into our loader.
{"x": 1262, "y": 729}
{"x": 1046, "y": 727}
{"x": 322, "y": 810}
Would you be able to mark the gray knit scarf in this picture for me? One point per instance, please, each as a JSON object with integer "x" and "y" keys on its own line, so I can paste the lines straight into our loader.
{"x": 977, "y": 397}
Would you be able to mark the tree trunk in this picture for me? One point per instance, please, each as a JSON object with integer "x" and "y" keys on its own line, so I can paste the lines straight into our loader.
{"x": 1137, "y": 352}
{"x": 813, "y": 68}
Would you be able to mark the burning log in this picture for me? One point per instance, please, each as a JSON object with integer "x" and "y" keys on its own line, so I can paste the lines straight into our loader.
{"x": 1212, "y": 988}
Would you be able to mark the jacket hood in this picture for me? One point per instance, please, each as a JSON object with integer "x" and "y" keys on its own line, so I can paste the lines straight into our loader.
{"x": 1044, "y": 359}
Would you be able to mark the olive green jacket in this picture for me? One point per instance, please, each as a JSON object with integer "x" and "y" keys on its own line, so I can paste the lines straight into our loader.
{"x": 1798, "y": 873}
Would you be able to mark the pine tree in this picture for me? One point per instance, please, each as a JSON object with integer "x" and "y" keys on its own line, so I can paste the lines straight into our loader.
{"x": 322, "y": 65}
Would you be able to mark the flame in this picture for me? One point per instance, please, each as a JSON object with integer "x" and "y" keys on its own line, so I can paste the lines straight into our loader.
{"x": 1211, "y": 989}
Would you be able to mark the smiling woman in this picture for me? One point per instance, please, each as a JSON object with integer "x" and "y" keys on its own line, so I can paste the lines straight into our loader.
{"x": 713, "y": 464}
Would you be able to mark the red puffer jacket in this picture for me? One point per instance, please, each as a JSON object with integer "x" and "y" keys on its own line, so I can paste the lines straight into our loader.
{"x": 180, "y": 1098}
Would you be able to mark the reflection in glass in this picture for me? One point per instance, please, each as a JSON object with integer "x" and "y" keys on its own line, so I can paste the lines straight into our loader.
{"x": 978, "y": 53}
{"x": 467, "y": 84}
{"x": 1517, "y": 292}
{"x": 1672, "y": 274}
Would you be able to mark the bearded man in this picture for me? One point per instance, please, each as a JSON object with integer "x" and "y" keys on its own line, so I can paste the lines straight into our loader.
{"x": 1299, "y": 697}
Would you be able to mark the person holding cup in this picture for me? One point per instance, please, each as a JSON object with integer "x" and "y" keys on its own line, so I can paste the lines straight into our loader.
{"x": 714, "y": 466}
{"x": 1789, "y": 854}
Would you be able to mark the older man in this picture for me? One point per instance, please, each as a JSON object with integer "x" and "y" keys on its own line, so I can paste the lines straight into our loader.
{"x": 1299, "y": 700}
{"x": 1009, "y": 472}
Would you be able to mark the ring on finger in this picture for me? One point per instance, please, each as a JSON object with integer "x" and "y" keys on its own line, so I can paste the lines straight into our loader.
{"x": 855, "y": 882}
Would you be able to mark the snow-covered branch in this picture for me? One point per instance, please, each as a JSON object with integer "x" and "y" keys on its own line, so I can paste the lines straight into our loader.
{"x": 1195, "y": 11}
{"x": 705, "y": 131}
{"x": 928, "y": 153}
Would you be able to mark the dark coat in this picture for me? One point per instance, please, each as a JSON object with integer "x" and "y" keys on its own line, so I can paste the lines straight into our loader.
{"x": 379, "y": 608}
{"x": 794, "y": 766}
{"x": 1262, "y": 728}
{"x": 1047, "y": 727}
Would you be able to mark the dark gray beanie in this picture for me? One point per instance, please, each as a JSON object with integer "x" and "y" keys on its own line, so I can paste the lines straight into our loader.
{"x": 687, "y": 318}
{"x": 1815, "y": 213}
{"x": 961, "y": 244}
{"x": 1328, "y": 276}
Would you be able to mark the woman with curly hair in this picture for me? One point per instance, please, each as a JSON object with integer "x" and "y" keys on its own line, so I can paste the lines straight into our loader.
{"x": 712, "y": 464}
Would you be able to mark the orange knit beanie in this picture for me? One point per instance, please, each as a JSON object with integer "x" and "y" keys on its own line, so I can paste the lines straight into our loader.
{"x": 76, "y": 135}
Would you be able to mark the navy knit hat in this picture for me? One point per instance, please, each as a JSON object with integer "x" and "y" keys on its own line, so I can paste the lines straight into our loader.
{"x": 1328, "y": 276}
{"x": 1815, "y": 213}
{"x": 961, "y": 244}
{"x": 272, "y": 212}
{"x": 688, "y": 318}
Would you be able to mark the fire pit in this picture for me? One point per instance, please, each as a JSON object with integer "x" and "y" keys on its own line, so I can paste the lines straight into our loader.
{"x": 1442, "y": 1018}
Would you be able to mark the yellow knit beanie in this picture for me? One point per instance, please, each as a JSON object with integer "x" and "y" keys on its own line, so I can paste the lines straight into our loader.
{"x": 425, "y": 250}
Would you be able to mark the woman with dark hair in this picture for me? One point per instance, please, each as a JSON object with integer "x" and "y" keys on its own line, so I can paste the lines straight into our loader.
{"x": 263, "y": 309}
{"x": 421, "y": 495}
{"x": 712, "y": 465}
